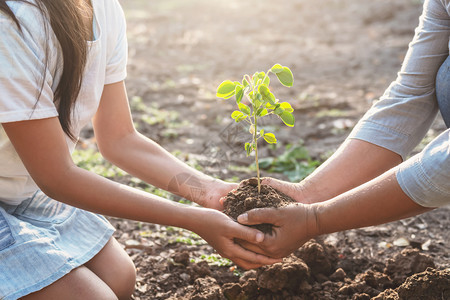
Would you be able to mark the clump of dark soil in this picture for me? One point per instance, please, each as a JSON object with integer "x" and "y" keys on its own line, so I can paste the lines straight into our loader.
{"x": 406, "y": 263}
{"x": 313, "y": 272}
{"x": 246, "y": 197}
{"x": 431, "y": 284}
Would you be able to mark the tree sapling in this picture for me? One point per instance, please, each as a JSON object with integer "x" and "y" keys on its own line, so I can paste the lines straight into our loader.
{"x": 262, "y": 102}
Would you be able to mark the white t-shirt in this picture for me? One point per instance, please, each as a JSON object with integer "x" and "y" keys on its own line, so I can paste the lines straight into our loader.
{"x": 22, "y": 65}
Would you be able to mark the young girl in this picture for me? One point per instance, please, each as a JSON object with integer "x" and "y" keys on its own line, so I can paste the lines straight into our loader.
{"x": 63, "y": 65}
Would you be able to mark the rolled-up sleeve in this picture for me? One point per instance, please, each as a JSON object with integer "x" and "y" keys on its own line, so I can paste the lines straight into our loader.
{"x": 425, "y": 177}
{"x": 404, "y": 114}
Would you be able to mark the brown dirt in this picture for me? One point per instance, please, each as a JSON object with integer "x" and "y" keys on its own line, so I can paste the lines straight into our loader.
{"x": 430, "y": 284}
{"x": 247, "y": 197}
{"x": 343, "y": 53}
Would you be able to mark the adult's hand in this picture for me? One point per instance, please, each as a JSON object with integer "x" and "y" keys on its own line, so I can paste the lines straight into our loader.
{"x": 221, "y": 232}
{"x": 293, "y": 226}
{"x": 294, "y": 190}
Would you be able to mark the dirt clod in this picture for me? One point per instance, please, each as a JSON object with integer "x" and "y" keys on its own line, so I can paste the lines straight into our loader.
{"x": 206, "y": 289}
{"x": 246, "y": 197}
{"x": 430, "y": 284}
{"x": 181, "y": 258}
{"x": 338, "y": 275}
{"x": 406, "y": 263}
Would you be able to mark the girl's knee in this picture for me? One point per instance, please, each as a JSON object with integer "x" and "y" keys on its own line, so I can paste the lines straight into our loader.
{"x": 80, "y": 283}
{"x": 113, "y": 265}
{"x": 125, "y": 285}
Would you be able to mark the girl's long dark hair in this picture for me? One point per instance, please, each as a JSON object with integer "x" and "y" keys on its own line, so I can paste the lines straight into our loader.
{"x": 66, "y": 19}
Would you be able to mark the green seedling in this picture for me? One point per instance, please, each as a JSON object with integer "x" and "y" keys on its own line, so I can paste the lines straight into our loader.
{"x": 260, "y": 102}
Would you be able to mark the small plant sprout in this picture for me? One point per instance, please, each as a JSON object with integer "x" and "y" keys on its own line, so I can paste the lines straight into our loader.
{"x": 261, "y": 102}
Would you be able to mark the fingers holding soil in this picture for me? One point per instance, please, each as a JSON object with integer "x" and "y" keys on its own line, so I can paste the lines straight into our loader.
{"x": 246, "y": 198}
{"x": 291, "y": 189}
{"x": 260, "y": 216}
{"x": 249, "y": 259}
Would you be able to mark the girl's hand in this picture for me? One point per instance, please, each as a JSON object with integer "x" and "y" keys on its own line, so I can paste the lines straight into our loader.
{"x": 221, "y": 232}
{"x": 215, "y": 192}
{"x": 201, "y": 189}
{"x": 294, "y": 225}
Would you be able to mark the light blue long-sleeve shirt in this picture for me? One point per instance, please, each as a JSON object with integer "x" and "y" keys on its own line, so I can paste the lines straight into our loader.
{"x": 404, "y": 114}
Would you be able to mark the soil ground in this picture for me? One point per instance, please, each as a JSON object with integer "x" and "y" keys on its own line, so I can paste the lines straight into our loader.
{"x": 343, "y": 54}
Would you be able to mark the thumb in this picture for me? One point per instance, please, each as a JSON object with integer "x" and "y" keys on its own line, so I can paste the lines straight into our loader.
{"x": 259, "y": 216}
{"x": 276, "y": 183}
{"x": 248, "y": 234}
{"x": 293, "y": 190}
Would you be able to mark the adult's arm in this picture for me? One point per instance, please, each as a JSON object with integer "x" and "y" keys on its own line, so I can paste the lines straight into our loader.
{"x": 378, "y": 201}
{"x": 394, "y": 125}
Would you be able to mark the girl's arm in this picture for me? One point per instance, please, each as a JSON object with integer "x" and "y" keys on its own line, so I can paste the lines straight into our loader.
{"x": 121, "y": 144}
{"x": 41, "y": 144}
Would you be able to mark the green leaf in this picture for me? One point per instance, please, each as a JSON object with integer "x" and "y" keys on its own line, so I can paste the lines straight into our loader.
{"x": 241, "y": 118}
{"x": 286, "y": 106}
{"x": 278, "y": 111}
{"x": 248, "y": 148}
{"x": 238, "y": 116}
{"x": 264, "y": 90}
{"x": 261, "y": 132}
{"x": 271, "y": 99}
{"x": 288, "y": 118}
{"x": 270, "y": 138}
{"x": 261, "y": 112}
{"x": 226, "y": 89}
{"x": 271, "y": 106}
{"x": 257, "y": 103}
{"x": 258, "y": 78}
{"x": 285, "y": 76}
{"x": 277, "y": 69}
{"x": 244, "y": 108}
{"x": 266, "y": 94}
{"x": 239, "y": 93}
{"x": 266, "y": 81}
{"x": 255, "y": 78}
{"x": 245, "y": 82}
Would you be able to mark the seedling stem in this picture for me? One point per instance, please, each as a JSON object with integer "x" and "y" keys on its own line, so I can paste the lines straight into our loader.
{"x": 263, "y": 103}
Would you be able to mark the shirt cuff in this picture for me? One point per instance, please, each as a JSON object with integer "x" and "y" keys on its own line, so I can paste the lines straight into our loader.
{"x": 415, "y": 180}
{"x": 26, "y": 115}
{"x": 384, "y": 137}
{"x": 116, "y": 77}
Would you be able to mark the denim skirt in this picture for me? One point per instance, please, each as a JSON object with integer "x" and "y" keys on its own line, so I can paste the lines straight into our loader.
{"x": 41, "y": 240}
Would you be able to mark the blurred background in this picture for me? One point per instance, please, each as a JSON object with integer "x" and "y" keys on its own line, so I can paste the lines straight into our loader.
{"x": 343, "y": 54}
